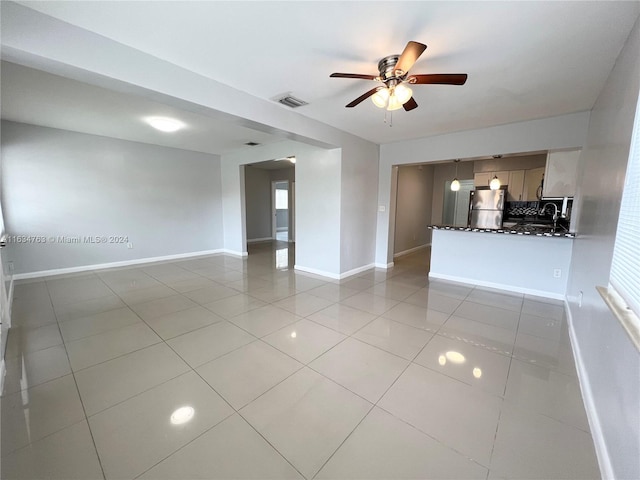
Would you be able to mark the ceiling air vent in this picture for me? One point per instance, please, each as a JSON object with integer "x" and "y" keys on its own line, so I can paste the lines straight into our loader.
{"x": 291, "y": 101}
{"x": 252, "y": 144}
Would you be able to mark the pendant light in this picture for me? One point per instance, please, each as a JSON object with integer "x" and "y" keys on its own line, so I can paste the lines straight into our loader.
{"x": 455, "y": 185}
{"x": 494, "y": 184}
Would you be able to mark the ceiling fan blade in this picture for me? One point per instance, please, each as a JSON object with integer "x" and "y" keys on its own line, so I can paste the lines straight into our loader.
{"x": 363, "y": 97}
{"x": 353, "y": 75}
{"x": 439, "y": 79}
{"x": 410, "y": 105}
{"x": 409, "y": 56}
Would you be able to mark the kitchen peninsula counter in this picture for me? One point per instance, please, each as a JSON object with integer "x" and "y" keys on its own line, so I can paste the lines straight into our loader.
{"x": 502, "y": 259}
{"x": 506, "y": 231}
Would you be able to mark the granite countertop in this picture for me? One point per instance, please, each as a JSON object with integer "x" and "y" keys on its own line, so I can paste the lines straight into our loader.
{"x": 515, "y": 230}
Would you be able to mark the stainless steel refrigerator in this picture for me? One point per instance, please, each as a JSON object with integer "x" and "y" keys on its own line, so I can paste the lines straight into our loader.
{"x": 486, "y": 207}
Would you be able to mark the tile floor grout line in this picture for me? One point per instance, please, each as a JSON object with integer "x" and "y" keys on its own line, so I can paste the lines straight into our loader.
{"x": 344, "y": 441}
{"x": 75, "y": 381}
{"x": 271, "y": 445}
{"x": 187, "y": 444}
{"x": 504, "y": 393}
{"x": 406, "y": 273}
{"x": 447, "y": 446}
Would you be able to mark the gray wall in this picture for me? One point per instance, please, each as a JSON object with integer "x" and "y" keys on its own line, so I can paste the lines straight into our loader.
{"x": 523, "y": 162}
{"x": 60, "y": 183}
{"x": 358, "y": 198}
{"x": 413, "y": 207}
{"x": 258, "y": 203}
{"x": 611, "y": 362}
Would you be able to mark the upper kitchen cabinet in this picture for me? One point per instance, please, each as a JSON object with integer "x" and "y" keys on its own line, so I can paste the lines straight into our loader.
{"x": 482, "y": 179}
{"x": 561, "y": 172}
{"x": 532, "y": 181}
{"x": 515, "y": 193}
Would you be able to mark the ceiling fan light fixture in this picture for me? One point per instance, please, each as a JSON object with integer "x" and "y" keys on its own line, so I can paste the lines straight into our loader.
{"x": 394, "y": 103}
{"x": 403, "y": 93}
{"x": 380, "y": 98}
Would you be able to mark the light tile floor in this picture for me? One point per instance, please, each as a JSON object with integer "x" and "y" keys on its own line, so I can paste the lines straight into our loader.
{"x": 218, "y": 367}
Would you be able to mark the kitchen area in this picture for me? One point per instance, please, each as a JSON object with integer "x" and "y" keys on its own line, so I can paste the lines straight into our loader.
{"x": 504, "y": 221}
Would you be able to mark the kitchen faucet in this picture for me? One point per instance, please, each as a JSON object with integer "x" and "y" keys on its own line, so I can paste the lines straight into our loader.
{"x": 555, "y": 212}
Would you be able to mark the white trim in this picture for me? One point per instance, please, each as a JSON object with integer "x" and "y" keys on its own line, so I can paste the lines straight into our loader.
{"x": 264, "y": 239}
{"x": 125, "y": 263}
{"x": 335, "y": 276}
{"x": 411, "y": 250}
{"x": 322, "y": 273}
{"x": 234, "y": 253}
{"x": 3, "y": 372}
{"x": 501, "y": 286}
{"x": 602, "y": 453}
{"x": 355, "y": 271}
{"x": 384, "y": 266}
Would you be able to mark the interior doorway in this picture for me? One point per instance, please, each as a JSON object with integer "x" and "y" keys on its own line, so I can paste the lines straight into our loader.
{"x": 280, "y": 227}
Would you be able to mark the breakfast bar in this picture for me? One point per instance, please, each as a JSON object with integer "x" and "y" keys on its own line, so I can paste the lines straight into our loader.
{"x": 531, "y": 263}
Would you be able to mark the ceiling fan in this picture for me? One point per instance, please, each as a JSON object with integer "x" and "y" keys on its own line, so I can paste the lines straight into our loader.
{"x": 394, "y": 74}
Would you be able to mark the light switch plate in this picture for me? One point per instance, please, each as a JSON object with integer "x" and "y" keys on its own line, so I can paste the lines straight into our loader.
{"x": 382, "y": 208}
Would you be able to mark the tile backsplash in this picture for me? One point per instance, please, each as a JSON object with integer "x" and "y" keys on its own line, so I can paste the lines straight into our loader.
{"x": 522, "y": 209}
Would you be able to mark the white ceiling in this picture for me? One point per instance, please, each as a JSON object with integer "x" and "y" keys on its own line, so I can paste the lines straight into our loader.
{"x": 39, "y": 98}
{"x": 525, "y": 60}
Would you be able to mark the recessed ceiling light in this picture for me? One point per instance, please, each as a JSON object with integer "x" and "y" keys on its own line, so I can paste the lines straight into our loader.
{"x": 165, "y": 124}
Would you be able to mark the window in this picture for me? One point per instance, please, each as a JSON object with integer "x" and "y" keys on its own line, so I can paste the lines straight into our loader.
{"x": 624, "y": 281}
{"x": 282, "y": 200}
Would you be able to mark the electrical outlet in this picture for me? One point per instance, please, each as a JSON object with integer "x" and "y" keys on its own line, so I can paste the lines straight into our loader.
{"x": 557, "y": 273}
{"x": 382, "y": 208}
{"x": 11, "y": 267}
{"x": 129, "y": 245}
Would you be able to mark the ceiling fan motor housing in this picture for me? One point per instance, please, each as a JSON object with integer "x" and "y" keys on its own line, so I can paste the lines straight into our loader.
{"x": 386, "y": 67}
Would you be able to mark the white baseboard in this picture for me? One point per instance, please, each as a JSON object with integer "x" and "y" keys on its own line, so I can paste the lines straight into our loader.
{"x": 322, "y": 273}
{"x": 335, "y": 276}
{"x": 3, "y": 372}
{"x": 602, "y": 452}
{"x": 384, "y": 266}
{"x": 255, "y": 240}
{"x": 234, "y": 253}
{"x": 500, "y": 286}
{"x": 356, "y": 271}
{"x": 411, "y": 250}
{"x": 125, "y": 263}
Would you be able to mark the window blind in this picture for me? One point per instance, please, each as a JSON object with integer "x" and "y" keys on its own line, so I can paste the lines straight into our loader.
{"x": 625, "y": 267}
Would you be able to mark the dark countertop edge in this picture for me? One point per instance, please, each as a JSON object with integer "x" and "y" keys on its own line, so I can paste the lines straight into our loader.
{"x": 504, "y": 231}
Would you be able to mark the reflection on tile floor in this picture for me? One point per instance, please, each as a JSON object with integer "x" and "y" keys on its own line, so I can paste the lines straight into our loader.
{"x": 219, "y": 367}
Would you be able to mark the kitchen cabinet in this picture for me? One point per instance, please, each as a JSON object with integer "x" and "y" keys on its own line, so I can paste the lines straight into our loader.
{"x": 515, "y": 193}
{"x": 482, "y": 179}
{"x": 532, "y": 180}
{"x": 560, "y": 176}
